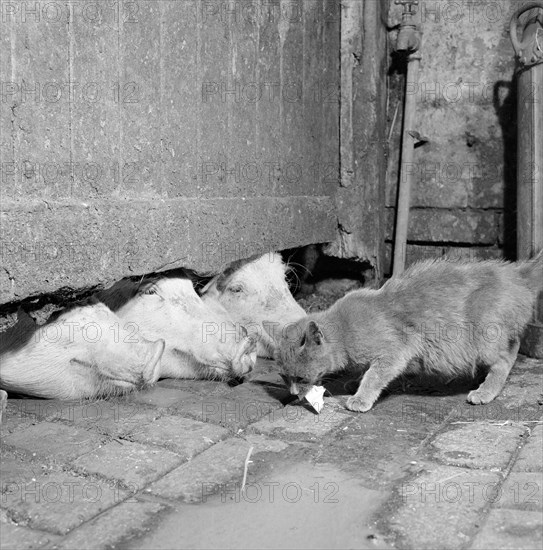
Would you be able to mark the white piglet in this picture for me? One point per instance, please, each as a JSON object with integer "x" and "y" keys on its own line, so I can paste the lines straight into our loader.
{"x": 256, "y": 294}
{"x": 201, "y": 341}
{"x": 81, "y": 352}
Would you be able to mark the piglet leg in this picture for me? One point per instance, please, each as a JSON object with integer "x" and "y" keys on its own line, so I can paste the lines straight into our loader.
{"x": 138, "y": 366}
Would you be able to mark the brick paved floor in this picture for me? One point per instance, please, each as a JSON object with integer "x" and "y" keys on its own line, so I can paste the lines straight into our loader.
{"x": 164, "y": 468}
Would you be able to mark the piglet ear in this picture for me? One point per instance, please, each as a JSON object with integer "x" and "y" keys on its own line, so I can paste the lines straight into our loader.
{"x": 314, "y": 334}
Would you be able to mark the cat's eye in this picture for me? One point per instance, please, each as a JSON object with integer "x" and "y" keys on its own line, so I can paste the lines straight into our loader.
{"x": 288, "y": 379}
{"x": 302, "y": 343}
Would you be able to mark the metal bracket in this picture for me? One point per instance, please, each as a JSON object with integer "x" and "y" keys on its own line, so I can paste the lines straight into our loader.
{"x": 529, "y": 50}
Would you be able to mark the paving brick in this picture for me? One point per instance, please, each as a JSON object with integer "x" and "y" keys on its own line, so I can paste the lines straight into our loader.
{"x": 116, "y": 417}
{"x": 78, "y": 411}
{"x": 16, "y": 471}
{"x": 210, "y": 470}
{"x": 263, "y": 382}
{"x": 15, "y": 537}
{"x": 510, "y": 530}
{"x": 479, "y": 445}
{"x": 124, "y": 521}
{"x": 38, "y": 409}
{"x": 216, "y": 402}
{"x": 377, "y": 447}
{"x": 521, "y": 491}
{"x": 440, "y": 408}
{"x": 262, "y": 444}
{"x": 441, "y": 507}
{"x": 530, "y": 458}
{"x": 184, "y": 436}
{"x": 54, "y": 440}
{"x": 218, "y": 465}
{"x": 523, "y": 389}
{"x": 230, "y": 413}
{"x": 517, "y": 403}
{"x": 262, "y": 391}
{"x": 158, "y": 396}
{"x": 134, "y": 464}
{"x": 14, "y": 424}
{"x": 56, "y": 501}
{"x": 300, "y": 421}
{"x": 13, "y": 419}
{"x": 212, "y": 407}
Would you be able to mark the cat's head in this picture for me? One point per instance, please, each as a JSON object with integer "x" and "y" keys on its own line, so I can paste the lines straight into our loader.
{"x": 304, "y": 356}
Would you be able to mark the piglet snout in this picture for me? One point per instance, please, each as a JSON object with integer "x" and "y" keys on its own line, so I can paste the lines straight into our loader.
{"x": 246, "y": 356}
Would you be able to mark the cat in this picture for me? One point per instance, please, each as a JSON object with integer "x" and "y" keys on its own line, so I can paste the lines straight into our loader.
{"x": 438, "y": 316}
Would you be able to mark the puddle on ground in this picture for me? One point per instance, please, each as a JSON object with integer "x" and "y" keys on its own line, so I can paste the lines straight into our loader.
{"x": 300, "y": 506}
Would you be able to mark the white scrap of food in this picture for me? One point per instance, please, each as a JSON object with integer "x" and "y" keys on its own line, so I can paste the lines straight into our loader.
{"x": 315, "y": 396}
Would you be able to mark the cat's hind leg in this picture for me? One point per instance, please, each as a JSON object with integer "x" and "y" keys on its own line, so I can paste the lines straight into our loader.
{"x": 375, "y": 380}
{"x": 496, "y": 377}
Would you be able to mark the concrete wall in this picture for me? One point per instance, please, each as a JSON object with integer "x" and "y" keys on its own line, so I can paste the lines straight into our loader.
{"x": 147, "y": 135}
{"x": 154, "y": 134}
{"x": 463, "y": 200}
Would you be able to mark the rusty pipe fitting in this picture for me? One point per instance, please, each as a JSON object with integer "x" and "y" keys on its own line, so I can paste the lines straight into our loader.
{"x": 408, "y": 39}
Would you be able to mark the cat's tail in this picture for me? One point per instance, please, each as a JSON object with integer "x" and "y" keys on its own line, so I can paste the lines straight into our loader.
{"x": 532, "y": 272}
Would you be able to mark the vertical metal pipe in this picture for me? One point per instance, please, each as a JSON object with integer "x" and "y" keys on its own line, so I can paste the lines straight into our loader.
{"x": 529, "y": 50}
{"x": 408, "y": 42}
{"x": 530, "y": 162}
{"x": 530, "y": 190}
{"x": 406, "y": 164}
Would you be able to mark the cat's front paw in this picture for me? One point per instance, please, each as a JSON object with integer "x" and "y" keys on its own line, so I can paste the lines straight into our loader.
{"x": 480, "y": 397}
{"x": 357, "y": 404}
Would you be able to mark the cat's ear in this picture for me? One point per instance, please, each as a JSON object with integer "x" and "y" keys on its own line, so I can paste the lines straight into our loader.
{"x": 314, "y": 334}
